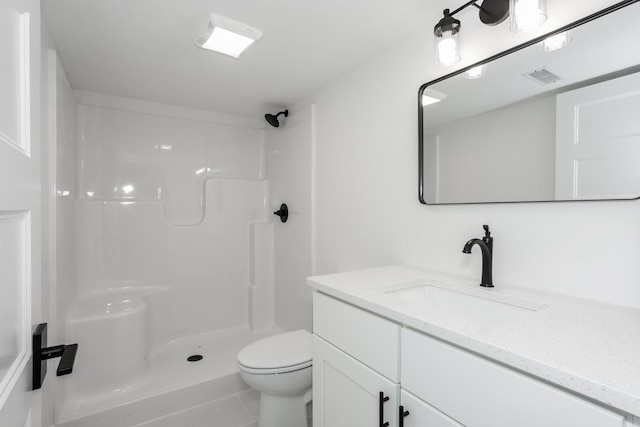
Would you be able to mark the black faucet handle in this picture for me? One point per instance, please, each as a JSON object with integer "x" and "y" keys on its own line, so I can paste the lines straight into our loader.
{"x": 488, "y": 239}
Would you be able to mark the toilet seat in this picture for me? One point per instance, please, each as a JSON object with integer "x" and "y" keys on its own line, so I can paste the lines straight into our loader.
{"x": 277, "y": 354}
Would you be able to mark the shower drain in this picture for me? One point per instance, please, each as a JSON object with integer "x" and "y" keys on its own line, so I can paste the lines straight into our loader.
{"x": 194, "y": 358}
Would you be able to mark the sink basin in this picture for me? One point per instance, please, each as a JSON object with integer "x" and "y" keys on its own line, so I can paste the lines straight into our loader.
{"x": 483, "y": 307}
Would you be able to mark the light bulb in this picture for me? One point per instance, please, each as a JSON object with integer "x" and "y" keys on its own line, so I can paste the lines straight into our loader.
{"x": 447, "y": 49}
{"x": 526, "y": 15}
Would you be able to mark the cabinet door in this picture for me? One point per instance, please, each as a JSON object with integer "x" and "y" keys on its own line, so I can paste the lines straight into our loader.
{"x": 344, "y": 326}
{"x": 422, "y": 414}
{"x": 480, "y": 393}
{"x": 346, "y": 393}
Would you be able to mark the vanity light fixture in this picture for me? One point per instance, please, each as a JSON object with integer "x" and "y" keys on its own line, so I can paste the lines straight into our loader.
{"x": 229, "y": 37}
{"x": 556, "y": 42}
{"x": 476, "y": 72}
{"x": 447, "y": 30}
{"x": 446, "y": 36}
{"x": 526, "y": 15}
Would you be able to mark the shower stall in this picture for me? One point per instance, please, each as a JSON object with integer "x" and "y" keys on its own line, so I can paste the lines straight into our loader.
{"x": 169, "y": 259}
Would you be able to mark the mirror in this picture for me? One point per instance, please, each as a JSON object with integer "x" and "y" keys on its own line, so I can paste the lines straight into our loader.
{"x": 539, "y": 125}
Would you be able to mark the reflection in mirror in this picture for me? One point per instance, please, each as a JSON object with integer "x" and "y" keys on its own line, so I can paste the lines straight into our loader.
{"x": 544, "y": 121}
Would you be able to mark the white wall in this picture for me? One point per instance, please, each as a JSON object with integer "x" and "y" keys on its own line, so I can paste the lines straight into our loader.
{"x": 289, "y": 172}
{"x": 367, "y": 210}
{"x": 523, "y": 133}
{"x": 66, "y": 195}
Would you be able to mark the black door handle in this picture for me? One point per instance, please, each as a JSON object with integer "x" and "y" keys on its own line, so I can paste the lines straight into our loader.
{"x": 42, "y": 353}
{"x": 382, "y": 399}
{"x": 403, "y": 414}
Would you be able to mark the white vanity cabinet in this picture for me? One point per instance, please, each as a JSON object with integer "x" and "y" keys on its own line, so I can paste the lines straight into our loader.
{"x": 346, "y": 393}
{"x": 358, "y": 355}
{"x": 355, "y": 366}
{"x": 478, "y": 392}
{"x": 421, "y": 414}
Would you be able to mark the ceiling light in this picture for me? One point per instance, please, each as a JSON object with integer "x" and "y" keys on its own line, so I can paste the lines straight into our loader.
{"x": 527, "y": 15}
{"x": 476, "y": 72}
{"x": 447, "y": 30}
{"x": 430, "y": 96}
{"x": 227, "y": 36}
{"x": 556, "y": 42}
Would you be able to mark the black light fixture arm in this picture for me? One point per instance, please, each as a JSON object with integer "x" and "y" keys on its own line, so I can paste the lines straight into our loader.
{"x": 466, "y": 5}
{"x": 492, "y": 12}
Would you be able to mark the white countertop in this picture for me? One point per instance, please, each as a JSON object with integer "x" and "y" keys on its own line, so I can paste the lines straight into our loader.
{"x": 584, "y": 346}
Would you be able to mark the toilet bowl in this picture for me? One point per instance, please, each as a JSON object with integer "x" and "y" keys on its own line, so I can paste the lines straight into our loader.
{"x": 279, "y": 367}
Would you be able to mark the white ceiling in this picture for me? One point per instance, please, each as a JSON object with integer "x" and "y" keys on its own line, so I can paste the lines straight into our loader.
{"x": 145, "y": 49}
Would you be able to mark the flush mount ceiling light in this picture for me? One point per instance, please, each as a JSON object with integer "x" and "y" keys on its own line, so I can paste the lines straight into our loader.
{"x": 431, "y": 96}
{"x": 556, "y": 42}
{"x": 526, "y": 15}
{"x": 229, "y": 37}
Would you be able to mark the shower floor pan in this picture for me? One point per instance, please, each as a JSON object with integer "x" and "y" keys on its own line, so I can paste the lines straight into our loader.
{"x": 172, "y": 385}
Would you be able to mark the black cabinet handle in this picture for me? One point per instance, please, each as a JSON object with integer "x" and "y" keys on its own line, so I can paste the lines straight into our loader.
{"x": 383, "y": 399}
{"x": 403, "y": 414}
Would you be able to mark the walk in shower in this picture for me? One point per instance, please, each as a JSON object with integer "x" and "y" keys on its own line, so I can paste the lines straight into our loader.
{"x": 165, "y": 258}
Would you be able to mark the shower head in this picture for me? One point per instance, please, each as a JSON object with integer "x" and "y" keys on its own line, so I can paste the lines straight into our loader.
{"x": 273, "y": 120}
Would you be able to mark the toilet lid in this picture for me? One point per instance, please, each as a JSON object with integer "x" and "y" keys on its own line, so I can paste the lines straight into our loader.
{"x": 278, "y": 351}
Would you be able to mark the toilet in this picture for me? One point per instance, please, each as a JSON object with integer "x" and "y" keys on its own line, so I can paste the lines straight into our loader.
{"x": 279, "y": 367}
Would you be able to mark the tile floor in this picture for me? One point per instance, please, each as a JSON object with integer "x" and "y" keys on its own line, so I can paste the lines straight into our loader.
{"x": 238, "y": 410}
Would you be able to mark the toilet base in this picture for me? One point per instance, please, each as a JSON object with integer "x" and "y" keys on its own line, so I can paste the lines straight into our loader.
{"x": 281, "y": 411}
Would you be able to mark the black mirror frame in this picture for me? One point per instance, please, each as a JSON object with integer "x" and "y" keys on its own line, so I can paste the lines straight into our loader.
{"x": 531, "y": 42}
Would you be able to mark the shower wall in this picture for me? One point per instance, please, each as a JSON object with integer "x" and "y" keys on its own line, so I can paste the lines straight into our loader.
{"x": 61, "y": 117}
{"x": 289, "y": 165}
{"x": 171, "y": 202}
{"x": 66, "y": 193}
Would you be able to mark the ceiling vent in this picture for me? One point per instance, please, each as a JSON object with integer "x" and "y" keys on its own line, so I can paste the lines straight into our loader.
{"x": 542, "y": 76}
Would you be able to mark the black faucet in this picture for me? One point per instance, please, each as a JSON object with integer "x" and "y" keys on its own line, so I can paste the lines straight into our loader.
{"x": 486, "y": 246}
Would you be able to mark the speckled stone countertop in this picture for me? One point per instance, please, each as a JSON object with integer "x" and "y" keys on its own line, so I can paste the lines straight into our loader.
{"x": 590, "y": 348}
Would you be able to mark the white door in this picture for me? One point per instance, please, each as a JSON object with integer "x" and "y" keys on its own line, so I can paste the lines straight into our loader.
{"x": 346, "y": 393}
{"x": 598, "y": 141}
{"x": 20, "y": 210}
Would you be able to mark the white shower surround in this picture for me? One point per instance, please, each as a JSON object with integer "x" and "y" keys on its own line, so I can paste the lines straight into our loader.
{"x": 174, "y": 247}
